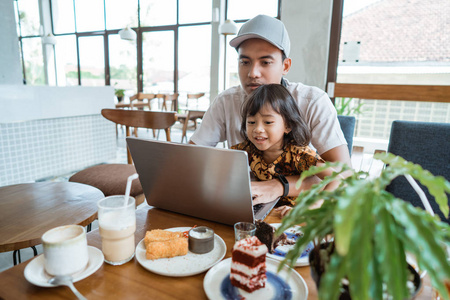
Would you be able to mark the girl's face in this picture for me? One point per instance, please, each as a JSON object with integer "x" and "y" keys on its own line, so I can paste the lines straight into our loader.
{"x": 266, "y": 130}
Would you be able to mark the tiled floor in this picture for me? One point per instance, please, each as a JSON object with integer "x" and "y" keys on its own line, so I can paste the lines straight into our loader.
{"x": 6, "y": 258}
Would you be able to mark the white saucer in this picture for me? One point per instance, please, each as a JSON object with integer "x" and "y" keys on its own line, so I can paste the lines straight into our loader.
{"x": 180, "y": 266}
{"x": 287, "y": 284}
{"x": 35, "y": 273}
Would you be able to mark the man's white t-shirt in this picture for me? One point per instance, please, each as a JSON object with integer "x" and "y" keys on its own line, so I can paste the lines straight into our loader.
{"x": 223, "y": 119}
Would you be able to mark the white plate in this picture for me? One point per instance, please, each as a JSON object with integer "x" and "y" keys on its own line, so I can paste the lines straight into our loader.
{"x": 287, "y": 284}
{"x": 187, "y": 265}
{"x": 35, "y": 273}
{"x": 280, "y": 251}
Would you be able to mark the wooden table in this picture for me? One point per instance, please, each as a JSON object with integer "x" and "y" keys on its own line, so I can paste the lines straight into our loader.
{"x": 131, "y": 281}
{"x": 28, "y": 210}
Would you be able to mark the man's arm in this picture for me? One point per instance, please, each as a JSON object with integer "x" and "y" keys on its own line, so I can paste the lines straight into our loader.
{"x": 267, "y": 191}
{"x": 339, "y": 153}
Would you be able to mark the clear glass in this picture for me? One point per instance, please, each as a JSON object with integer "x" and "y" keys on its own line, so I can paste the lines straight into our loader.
{"x": 29, "y": 17}
{"x": 194, "y": 62}
{"x": 120, "y": 14}
{"x": 243, "y": 230}
{"x": 158, "y": 13}
{"x": 90, "y": 15}
{"x": 63, "y": 17}
{"x": 158, "y": 61}
{"x": 117, "y": 225}
{"x": 34, "y": 61}
{"x": 195, "y": 11}
{"x": 92, "y": 61}
{"x": 123, "y": 64}
{"x": 66, "y": 60}
{"x": 242, "y": 10}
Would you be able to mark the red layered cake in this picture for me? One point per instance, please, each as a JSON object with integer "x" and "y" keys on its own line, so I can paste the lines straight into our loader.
{"x": 248, "y": 264}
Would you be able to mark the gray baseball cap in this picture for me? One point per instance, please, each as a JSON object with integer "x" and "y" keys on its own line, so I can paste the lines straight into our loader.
{"x": 267, "y": 28}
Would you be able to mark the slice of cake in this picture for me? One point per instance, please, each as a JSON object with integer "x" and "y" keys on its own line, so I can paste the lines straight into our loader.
{"x": 266, "y": 234}
{"x": 248, "y": 264}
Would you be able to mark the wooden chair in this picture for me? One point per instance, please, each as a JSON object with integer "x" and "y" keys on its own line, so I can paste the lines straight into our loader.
{"x": 194, "y": 97}
{"x": 111, "y": 179}
{"x": 140, "y": 103}
{"x": 192, "y": 115}
{"x": 173, "y": 99}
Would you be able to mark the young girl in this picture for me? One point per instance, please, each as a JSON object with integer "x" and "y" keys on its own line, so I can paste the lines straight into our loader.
{"x": 277, "y": 137}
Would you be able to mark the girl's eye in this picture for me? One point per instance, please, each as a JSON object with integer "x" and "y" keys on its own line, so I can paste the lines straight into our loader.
{"x": 250, "y": 122}
{"x": 268, "y": 122}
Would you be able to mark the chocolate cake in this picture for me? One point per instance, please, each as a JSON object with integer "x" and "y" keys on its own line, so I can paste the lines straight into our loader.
{"x": 248, "y": 264}
{"x": 266, "y": 234}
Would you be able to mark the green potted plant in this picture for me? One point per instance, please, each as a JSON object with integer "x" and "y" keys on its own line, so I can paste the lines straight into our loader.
{"x": 370, "y": 231}
{"x": 119, "y": 94}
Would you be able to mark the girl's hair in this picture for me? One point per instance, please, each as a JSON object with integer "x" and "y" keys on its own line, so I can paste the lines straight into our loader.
{"x": 282, "y": 102}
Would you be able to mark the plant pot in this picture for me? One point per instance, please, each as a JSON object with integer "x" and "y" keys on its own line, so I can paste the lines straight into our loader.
{"x": 119, "y": 98}
{"x": 317, "y": 269}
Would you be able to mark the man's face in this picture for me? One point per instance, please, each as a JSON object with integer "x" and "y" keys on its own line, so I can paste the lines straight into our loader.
{"x": 260, "y": 63}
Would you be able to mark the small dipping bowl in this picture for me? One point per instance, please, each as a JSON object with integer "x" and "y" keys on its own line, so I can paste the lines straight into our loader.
{"x": 201, "y": 240}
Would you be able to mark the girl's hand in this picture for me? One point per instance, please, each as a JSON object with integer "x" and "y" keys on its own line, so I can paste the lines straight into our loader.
{"x": 283, "y": 210}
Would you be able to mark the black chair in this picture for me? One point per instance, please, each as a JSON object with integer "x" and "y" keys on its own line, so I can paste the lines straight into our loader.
{"x": 348, "y": 128}
{"x": 423, "y": 143}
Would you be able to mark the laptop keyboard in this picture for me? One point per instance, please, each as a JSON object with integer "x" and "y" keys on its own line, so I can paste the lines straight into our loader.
{"x": 257, "y": 208}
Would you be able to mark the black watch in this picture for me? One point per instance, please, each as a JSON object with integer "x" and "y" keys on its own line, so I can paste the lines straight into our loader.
{"x": 285, "y": 184}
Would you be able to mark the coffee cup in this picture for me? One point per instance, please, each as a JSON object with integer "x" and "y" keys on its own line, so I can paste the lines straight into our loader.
{"x": 65, "y": 250}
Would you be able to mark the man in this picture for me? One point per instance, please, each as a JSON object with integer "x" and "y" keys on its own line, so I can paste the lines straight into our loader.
{"x": 263, "y": 46}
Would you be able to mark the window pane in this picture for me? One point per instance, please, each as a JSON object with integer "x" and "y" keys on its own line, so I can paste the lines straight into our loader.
{"x": 158, "y": 61}
{"x": 29, "y": 17}
{"x": 66, "y": 60}
{"x": 34, "y": 61}
{"x": 157, "y": 12}
{"x": 92, "y": 61}
{"x": 241, "y": 10}
{"x": 90, "y": 15}
{"x": 120, "y": 14}
{"x": 231, "y": 68}
{"x": 392, "y": 43}
{"x": 194, "y": 63}
{"x": 122, "y": 61}
{"x": 63, "y": 16}
{"x": 195, "y": 11}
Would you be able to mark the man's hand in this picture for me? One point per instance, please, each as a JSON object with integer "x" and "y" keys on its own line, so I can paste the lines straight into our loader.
{"x": 267, "y": 191}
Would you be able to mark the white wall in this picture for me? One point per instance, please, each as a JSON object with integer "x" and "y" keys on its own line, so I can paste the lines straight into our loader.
{"x": 308, "y": 24}
{"x": 10, "y": 67}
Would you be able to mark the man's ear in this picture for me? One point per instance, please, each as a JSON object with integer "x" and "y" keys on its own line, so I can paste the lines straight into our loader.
{"x": 286, "y": 65}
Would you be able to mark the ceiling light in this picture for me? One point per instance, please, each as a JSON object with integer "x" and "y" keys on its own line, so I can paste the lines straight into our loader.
{"x": 128, "y": 34}
{"x": 228, "y": 28}
{"x": 49, "y": 39}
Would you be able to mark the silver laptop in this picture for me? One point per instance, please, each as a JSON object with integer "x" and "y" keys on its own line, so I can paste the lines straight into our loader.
{"x": 204, "y": 182}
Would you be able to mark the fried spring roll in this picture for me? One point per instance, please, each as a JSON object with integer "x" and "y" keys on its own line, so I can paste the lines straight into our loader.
{"x": 167, "y": 249}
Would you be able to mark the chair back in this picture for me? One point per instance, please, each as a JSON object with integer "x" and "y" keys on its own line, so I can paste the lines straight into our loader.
{"x": 423, "y": 143}
{"x": 348, "y": 128}
{"x": 195, "y": 96}
{"x": 173, "y": 98}
{"x": 142, "y": 119}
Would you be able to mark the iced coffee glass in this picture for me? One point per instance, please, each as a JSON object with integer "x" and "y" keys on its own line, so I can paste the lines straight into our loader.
{"x": 117, "y": 224}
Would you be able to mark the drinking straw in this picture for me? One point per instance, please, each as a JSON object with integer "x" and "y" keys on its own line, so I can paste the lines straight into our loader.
{"x": 128, "y": 188}
{"x": 421, "y": 194}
